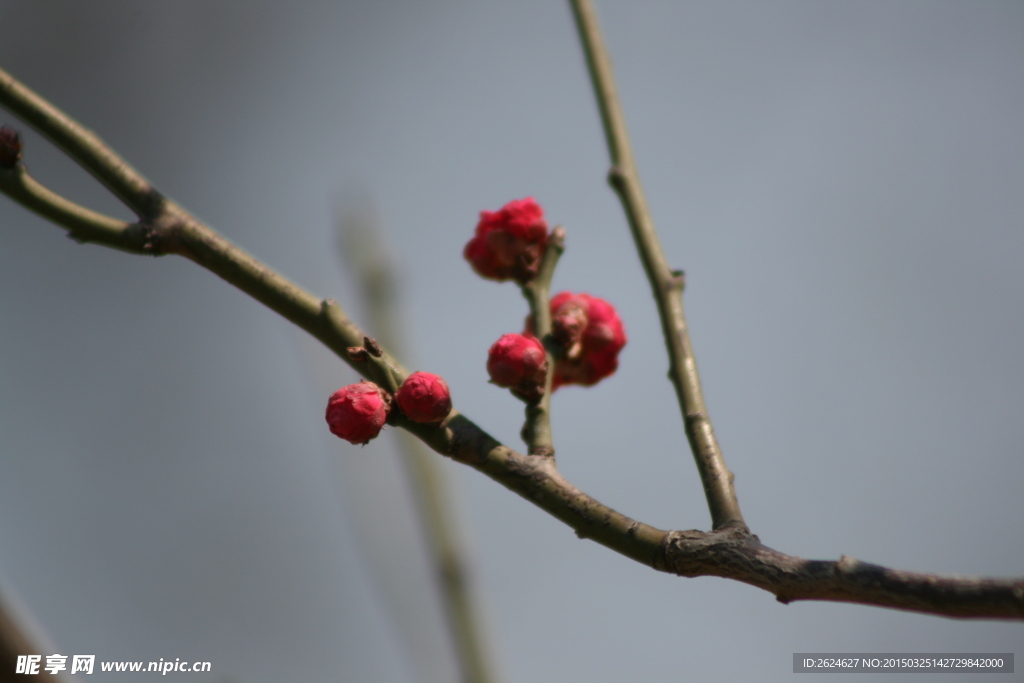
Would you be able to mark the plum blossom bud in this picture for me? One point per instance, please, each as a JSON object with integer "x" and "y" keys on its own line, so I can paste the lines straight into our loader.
{"x": 424, "y": 398}
{"x": 10, "y": 147}
{"x": 357, "y": 412}
{"x": 591, "y": 334}
{"x": 568, "y": 323}
{"x": 518, "y": 362}
{"x": 509, "y": 243}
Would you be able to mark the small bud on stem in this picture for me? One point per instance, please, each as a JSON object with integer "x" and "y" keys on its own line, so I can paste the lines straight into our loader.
{"x": 424, "y": 398}
{"x": 589, "y": 333}
{"x": 519, "y": 363}
{"x": 357, "y": 412}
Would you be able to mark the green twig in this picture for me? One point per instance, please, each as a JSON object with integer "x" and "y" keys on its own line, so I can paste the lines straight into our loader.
{"x": 84, "y": 225}
{"x": 666, "y": 283}
{"x": 537, "y": 430}
{"x": 81, "y": 145}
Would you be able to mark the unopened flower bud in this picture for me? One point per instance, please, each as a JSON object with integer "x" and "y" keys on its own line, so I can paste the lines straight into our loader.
{"x": 604, "y": 327}
{"x": 567, "y": 325}
{"x": 591, "y": 334}
{"x": 357, "y": 412}
{"x": 518, "y": 362}
{"x": 10, "y": 147}
{"x": 424, "y": 398}
{"x": 509, "y": 243}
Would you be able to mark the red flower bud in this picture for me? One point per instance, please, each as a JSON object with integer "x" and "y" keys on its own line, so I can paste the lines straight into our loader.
{"x": 509, "y": 243}
{"x": 568, "y": 323}
{"x": 424, "y": 398}
{"x": 591, "y": 335}
{"x": 518, "y": 362}
{"x": 357, "y": 412}
{"x": 10, "y": 147}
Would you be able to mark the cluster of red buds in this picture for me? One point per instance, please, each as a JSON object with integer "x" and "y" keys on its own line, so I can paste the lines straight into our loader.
{"x": 586, "y": 336}
{"x": 587, "y": 332}
{"x": 358, "y": 412}
{"x": 509, "y": 243}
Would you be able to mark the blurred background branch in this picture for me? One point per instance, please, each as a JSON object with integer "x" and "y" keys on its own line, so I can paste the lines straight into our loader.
{"x": 19, "y": 635}
{"x": 372, "y": 267}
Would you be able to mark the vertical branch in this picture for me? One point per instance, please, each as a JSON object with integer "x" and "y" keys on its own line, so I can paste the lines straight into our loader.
{"x": 666, "y": 283}
{"x": 368, "y": 259}
{"x": 537, "y": 430}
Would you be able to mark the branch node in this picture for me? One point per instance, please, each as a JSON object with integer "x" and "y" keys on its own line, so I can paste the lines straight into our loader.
{"x": 617, "y": 177}
{"x": 845, "y": 565}
{"x": 693, "y": 418}
{"x": 10, "y": 147}
{"x": 372, "y": 347}
{"x": 677, "y": 282}
{"x": 152, "y": 239}
{"x": 357, "y": 354}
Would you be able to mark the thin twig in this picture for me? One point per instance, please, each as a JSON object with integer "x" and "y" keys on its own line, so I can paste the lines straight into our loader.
{"x": 82, "y": 145}
{"x": 537, "y": 430}
{"x": 84, "y": 225}
{"x": 365, "y": 254}
{"x": 730, "y": 552}
{"x": 666, "y": 283}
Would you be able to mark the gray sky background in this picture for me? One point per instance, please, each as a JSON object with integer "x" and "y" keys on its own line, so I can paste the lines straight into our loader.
{"x": 842, "y": 182}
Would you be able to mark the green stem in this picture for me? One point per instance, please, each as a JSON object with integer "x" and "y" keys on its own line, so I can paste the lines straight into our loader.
{"x": 82, "y": 145}
{"x": 84, "y": 225}
{"x": 666, "y": 284}
{"x": 537, "y": 430}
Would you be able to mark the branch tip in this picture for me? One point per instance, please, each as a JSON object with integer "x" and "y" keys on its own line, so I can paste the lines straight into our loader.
{"x": 557, "y": 239}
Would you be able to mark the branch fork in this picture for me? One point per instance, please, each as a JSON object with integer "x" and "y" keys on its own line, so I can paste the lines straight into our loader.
{"x": 729, "y": 550}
